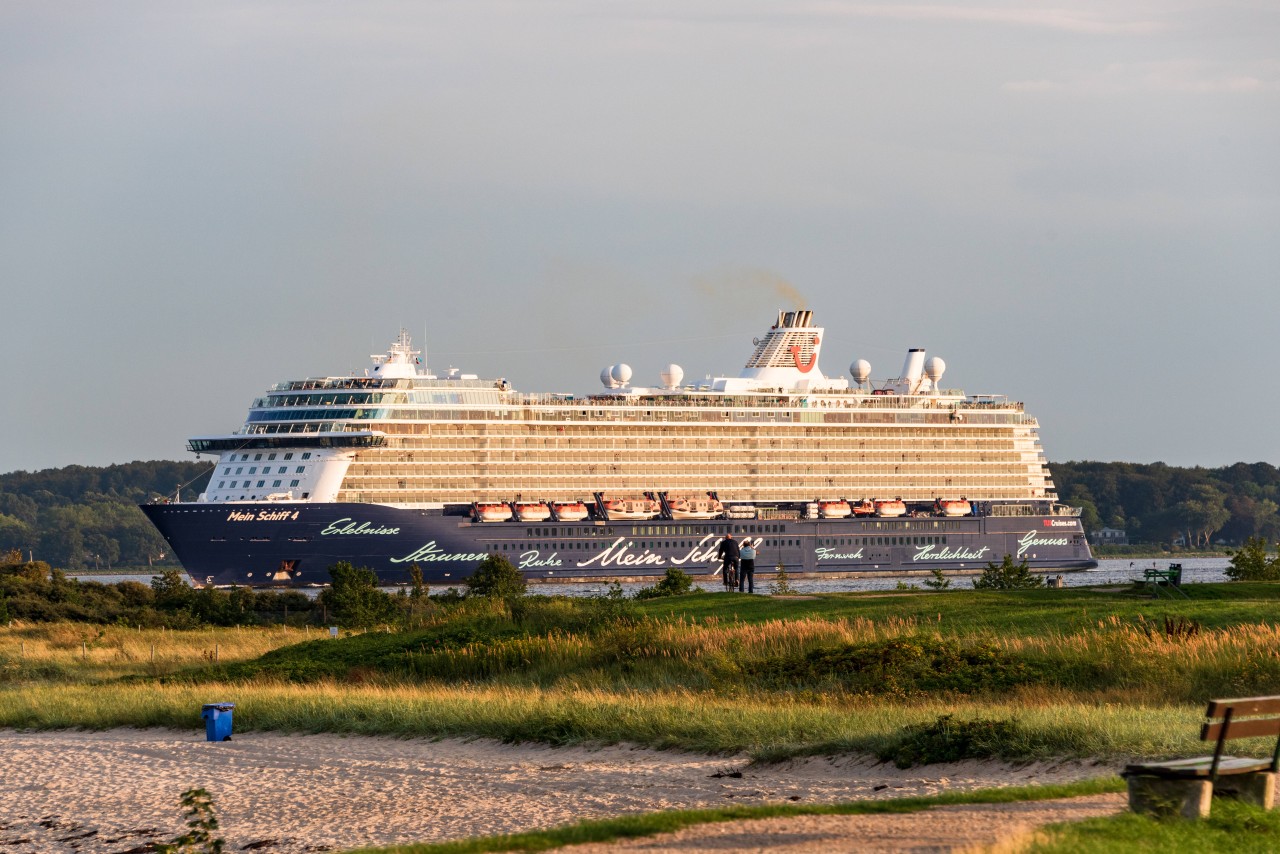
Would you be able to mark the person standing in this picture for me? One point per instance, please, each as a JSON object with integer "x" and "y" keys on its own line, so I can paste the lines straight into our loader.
{"x": 728, "y": 554}
{"x": 747, "y": 566}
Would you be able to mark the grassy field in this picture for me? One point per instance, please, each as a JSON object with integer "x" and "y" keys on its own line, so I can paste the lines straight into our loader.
{"x": 1074, "y": 672}
{"x": 912, "y": 677}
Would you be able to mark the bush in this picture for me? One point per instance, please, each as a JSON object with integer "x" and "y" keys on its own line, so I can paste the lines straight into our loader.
{"x": 949, "y": 740}
{"x": 676, "y": 583}
{"x": 904, "y": 666}
{"x": 496, "y": 577}
{"x": 781, "y": 585}
{"x": 1250, "y": 562}
{"x": 1007, "y": 576}
{"x": 354, "y": 598}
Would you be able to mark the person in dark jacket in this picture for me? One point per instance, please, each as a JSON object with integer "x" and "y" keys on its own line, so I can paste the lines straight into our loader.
{"x": 728, "y": 554}
{"x": 747, "y": 567}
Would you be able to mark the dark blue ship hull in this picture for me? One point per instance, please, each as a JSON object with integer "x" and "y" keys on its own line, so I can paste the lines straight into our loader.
{"x": 294, "y": 544}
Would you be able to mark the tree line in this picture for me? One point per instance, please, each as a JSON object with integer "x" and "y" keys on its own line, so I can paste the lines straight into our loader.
{"x": 84, "y": 517}
{"x": 1162, "y": 504}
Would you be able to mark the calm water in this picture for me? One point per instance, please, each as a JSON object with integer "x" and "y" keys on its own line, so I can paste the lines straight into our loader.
{"x": 1194, "y": 570}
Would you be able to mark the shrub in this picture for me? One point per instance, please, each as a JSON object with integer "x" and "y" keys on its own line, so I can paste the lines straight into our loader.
{"x": 354, "y": 598}
{"x": 781, "y": 585}
{"x": 949, "y": 740}
{"x": 202, "y": 824}
{"x": 1250, "y": 562}
{"x": 675, "y": 583}
{"x": 939, "y": 581}
{"x": 496, "y": 577}
{"x": 902, "y": 666}
{"x": 1007, "y": 576}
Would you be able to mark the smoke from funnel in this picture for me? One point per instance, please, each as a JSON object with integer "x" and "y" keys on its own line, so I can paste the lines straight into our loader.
{"x": 749, "y": 290}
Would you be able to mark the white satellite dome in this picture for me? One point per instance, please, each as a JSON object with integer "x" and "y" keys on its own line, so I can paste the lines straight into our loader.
{"x": 606, "y": 379}
{"x": 861, "y": 371}
{"x": 934, "y": 368}
{"x": 621, "y": 373}
{"x": 671, "y": 376}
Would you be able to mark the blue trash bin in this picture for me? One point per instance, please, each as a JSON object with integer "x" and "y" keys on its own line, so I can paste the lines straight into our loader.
{"x": 217, "y": 721}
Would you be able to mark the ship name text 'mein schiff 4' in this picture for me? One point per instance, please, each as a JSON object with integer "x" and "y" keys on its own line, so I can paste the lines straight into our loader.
{"x": 825, "y": 476}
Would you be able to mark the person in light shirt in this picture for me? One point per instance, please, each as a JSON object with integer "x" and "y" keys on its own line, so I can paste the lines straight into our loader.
{"x": 747, "y": 567}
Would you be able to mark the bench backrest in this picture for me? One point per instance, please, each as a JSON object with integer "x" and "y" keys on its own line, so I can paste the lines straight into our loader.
{"x": 1242, "y": 718}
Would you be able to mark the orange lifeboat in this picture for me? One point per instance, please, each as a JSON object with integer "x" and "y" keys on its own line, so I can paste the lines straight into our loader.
{"x": 834, "y": 509}
{"x": 683, "y": 507}
{"x": 493, "y": 511}
{"x": 864, "y": 508}
{"x": 631, "y": 508}
{"x": 569, "y": 511}
{"x": 532, "y": 511}
{"x": 890, "y": 507}
{"x": 955, "y": 508}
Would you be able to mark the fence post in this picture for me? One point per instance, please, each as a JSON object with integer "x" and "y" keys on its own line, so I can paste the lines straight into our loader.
{"x": 153, "y": 653}
{"x": 84, "y": 650}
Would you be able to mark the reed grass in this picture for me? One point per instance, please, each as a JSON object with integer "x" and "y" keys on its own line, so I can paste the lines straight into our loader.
{"x": 765, "y": 729}
{"x": 84, "y": 652}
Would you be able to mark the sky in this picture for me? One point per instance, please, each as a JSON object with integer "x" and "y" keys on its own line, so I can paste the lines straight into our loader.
{"x": 1077, "y": 206}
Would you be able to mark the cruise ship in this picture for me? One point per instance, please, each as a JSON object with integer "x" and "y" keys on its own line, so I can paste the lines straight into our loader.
{"x": 828, "y": 476}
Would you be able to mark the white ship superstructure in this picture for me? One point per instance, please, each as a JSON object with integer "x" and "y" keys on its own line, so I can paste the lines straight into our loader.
{"x": 782, "y": 431}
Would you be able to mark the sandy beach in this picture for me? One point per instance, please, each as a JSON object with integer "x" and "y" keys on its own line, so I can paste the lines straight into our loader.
{"x": 118, "y": 791}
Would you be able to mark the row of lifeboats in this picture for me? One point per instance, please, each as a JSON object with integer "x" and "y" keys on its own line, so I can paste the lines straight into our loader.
{"x": 531, "y": 511}
{"x": 618, "y": 508}
{"x": 686, "y": 507}
{"x": 838, "y": 508}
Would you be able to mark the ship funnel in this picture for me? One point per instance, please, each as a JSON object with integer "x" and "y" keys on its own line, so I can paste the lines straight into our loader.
{"x": 912, "y": 371}
{"x": 795, "y": 319}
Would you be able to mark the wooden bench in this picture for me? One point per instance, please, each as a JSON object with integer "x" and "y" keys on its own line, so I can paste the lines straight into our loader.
{"x": 1186, "y": 786}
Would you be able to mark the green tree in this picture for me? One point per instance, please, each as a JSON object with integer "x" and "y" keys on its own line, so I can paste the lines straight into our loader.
{"x": 1251, "y": 563}
{"x": 1201, "y": 513}
{"x": 1007, "y": 575}
{"x": 353, "y": 597}
{"x": 172, "y": 590}
{"x": 496, "y": 577}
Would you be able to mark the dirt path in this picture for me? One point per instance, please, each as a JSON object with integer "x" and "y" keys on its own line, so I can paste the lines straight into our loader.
{"x": 118, "y": 791}
{"x": 961, "y": 829}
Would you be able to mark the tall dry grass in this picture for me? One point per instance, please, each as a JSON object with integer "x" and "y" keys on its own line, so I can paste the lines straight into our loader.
{"x": 76, "y": 651}
{"x": 765, "y": 728}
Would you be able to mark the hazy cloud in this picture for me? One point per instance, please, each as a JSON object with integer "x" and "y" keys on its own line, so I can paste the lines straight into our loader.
{"x": 1187, "y": 77}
